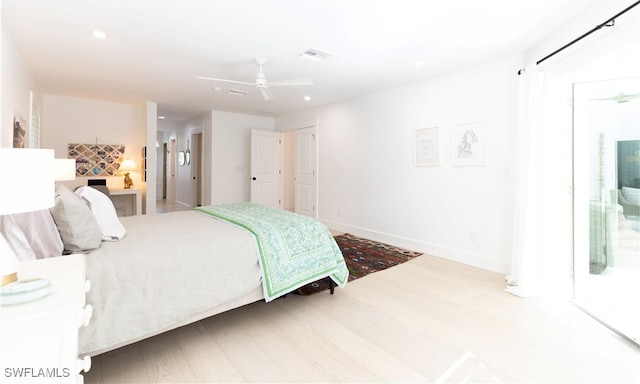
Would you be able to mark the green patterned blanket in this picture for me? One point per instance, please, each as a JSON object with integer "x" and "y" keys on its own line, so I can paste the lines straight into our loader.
{"x": 293, "y": 249}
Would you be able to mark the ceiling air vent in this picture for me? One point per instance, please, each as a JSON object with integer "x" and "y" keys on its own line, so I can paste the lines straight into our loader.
{"x": 238, "y": 92}
{"x": 314, "y": 54}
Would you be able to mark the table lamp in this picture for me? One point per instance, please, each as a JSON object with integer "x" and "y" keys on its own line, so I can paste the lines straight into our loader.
{"x": 28, "y": 186}
{"x": 127, "y": 166}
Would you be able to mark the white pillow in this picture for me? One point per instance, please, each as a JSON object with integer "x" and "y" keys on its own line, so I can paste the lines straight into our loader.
{"x": 632, "y": 195}
{"x": 41, "y": 232}
{"x": 104, "y": 212}
{"x": 78, "y": 228}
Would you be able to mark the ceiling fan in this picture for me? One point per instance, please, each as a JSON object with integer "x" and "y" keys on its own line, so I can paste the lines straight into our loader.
{"x": 621, "y": 98}
{"x": 261, "y": 81}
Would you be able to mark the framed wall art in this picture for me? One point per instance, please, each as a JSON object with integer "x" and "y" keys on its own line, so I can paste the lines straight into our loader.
{"x": 426, "y": 146}
{"x": 96, "y": 159}
{"x": 468, "y": 144}
{"x": 19, "y": 132}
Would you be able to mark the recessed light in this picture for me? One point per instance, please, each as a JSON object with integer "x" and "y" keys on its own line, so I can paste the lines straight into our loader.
{"x": 418, "y": 63}
{"x": 99, "y": 34}
{"x": 307, "y": 98}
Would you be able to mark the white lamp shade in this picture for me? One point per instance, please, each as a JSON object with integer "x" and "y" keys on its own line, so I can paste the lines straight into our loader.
{"x": 64, "y": 169}
{"x": 28, "y": 185}
{"x": 128, "y": 166}
{"x": 27, "y": 180}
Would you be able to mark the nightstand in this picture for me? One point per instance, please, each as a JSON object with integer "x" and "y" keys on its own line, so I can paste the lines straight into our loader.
{"x": 132, "y": 199}
{"x": 39, "y": 339}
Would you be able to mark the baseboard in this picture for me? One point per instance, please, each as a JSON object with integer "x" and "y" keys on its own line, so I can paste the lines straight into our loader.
{"x": 452, "y": 254}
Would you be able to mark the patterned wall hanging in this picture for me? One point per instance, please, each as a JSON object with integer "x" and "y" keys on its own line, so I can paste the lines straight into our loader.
{"x": 96, "y": 159}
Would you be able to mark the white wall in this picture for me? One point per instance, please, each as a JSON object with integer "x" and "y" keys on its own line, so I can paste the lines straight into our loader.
{"x": 15, "y": 87}
{"x": 151, "y": 163}
{"x": 68, "y": 120}
{"x": 369, "y": 186}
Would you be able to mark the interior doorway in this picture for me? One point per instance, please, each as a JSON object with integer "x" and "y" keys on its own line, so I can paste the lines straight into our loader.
{"x": 171, "y": 168}
{"x": 306, "y": 174}
{"x": 284, "y": 168}
{"x": 165, "y": 151}
{"x": 267, "y": 162}
{"x": 197, "y": 166}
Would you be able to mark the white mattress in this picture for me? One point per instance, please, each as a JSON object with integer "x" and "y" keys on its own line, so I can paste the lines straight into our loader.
{"x": 169, "y": 270}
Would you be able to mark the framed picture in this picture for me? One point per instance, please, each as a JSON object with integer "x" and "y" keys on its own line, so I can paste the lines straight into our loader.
{"x": 426, "y": 146}
{"x": 34, "y": 124}
{"x": 96, "y": 159}
{"x": 468, "y": 144}
{"x": 19, "y": 132}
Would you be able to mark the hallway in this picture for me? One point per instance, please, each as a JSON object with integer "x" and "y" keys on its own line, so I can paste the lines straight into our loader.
{"x": 162, "y": 206}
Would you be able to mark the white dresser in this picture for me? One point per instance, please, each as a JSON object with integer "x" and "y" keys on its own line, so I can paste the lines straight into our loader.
{"x": 39, "y": 339}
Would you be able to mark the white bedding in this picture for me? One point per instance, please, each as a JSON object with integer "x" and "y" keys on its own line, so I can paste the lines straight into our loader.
{"x": 166, "y": 272}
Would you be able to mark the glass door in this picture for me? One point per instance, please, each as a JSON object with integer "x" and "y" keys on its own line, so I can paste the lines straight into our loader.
{"x": 607, "y": 203}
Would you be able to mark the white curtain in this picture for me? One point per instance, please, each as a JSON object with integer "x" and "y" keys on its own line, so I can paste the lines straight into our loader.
{"x": 531, "y": 179}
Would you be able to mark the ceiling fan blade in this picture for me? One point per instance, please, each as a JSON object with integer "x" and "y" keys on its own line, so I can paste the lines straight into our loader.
{"x": 265, "y": 93}
{"x": 225, "y": 80}
{"x": 621, "y": 98}
{"x": 292, "y": 82}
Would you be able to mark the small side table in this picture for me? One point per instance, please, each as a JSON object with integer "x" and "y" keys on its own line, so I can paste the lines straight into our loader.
{"x": 39, "y": 339}
{"x": 133, "y": 197}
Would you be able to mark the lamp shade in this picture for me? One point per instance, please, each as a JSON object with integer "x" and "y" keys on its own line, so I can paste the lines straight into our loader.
{"x": 64, "y": 169}
{"x": 28, "y": 180}
{"x": 28, "y": 185}
{"x": 127, "y": 166}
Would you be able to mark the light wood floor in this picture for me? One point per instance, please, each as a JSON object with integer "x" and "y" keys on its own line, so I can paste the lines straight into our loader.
{"x": 428, "y": 320}
{"x": 163, "y": 207}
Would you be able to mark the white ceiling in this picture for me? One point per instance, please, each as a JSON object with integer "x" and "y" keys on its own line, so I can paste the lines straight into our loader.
{"x": 156, "y": 48}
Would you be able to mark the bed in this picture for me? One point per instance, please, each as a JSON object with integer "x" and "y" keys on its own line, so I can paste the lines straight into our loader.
{"x": 153, "y": 273}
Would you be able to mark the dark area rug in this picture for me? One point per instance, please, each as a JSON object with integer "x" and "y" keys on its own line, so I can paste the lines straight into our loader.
{"x": 363, "y": 257}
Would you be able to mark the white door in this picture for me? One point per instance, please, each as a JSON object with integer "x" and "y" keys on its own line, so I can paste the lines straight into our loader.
{"x": 266, "y": 168}
{"x": 606, "y": 150}
{"x": 306, "y": 174}
{"x": 195, "y": 163}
